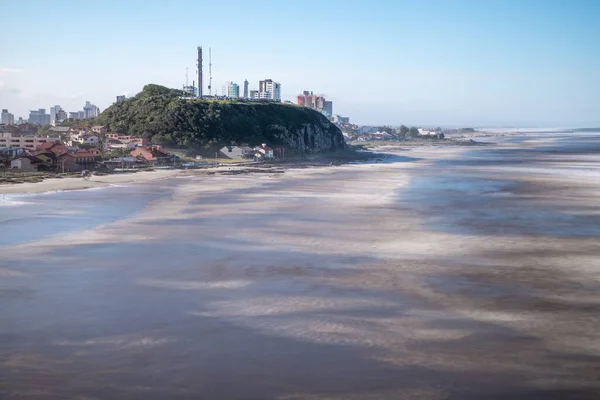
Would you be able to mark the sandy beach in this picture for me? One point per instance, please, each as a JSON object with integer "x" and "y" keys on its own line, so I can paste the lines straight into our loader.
{"x": 442, "y": 273}
{"x": 50, "y": 185}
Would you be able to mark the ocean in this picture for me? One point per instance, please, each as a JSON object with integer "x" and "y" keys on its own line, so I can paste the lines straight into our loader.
{"x": 438, "y": 273}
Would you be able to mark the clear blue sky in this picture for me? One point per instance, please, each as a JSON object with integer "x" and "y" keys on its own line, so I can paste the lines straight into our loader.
{"x": 475, "y": 63}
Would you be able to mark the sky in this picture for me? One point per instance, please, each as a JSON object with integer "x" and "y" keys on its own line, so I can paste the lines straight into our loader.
{"x": 522, "y": 63}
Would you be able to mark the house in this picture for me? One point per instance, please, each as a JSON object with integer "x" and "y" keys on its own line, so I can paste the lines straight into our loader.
{"x": 59, "y": 130}
{"x": 95, "y": 151}
{"x": 79, "y": 128}
{"x": 126, "y": 139}
{"x": 55, "y": 147}
{"x": 25, "y": 163}
{"x": 138, "y": 141}
{"x": 48, "y": 160}
{"x": 237, "y": 152}
{"x": 263, "y": 151}
{"x": 87, "y": 139}
{"x": 151, "y": 154}
{"x": 112, "y": 144}
{"x": 99, "y": 129}
{"x": 122, "y": 162}
{"x": 77, "y": 161}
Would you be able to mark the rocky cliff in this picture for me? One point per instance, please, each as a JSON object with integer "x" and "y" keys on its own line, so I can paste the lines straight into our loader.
{"x": 164, "y": 117}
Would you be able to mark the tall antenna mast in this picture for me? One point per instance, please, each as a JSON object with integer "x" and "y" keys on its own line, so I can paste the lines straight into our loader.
{"x": 200, "y": 71}
{"x": 209, "y": 71}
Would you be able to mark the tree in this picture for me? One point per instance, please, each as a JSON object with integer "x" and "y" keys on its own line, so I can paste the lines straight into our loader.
{"x": 42, "y": 129}
{"x": 414, "y": 131}
{"x": 404, "y": 130}
{"x": 387, "y": 129}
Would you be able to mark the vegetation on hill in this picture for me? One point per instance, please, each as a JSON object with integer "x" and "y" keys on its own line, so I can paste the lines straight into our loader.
{"x": 164, "y": 117}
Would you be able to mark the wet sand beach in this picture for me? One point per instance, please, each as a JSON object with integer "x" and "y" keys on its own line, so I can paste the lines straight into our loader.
{"x": 442, "y": 273}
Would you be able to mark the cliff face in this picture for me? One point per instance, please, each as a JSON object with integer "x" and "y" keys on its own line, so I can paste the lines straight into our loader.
{"x": 159, "y": 114}
{"x": 310, "y": 137}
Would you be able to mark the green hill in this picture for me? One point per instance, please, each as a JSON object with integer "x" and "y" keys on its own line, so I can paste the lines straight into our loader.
{"x": 161, "y": 115}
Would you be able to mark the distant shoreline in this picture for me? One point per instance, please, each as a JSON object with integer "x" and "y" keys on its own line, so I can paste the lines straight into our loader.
{"x": 49, "y": 183}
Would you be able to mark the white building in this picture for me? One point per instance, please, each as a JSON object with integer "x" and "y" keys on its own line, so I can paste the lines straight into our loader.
{"x": 237, "y": 152}
{"x": 231, "y": 90}
{"x": 269, "y": 90}
{"x": 7, "y": 118}
{"x": 23, "y": 164}
{"x": 30, "y": 142}
{"x": 83, "y": 138}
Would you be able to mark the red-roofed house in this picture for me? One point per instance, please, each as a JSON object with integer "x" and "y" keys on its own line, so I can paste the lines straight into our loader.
{"x": 264, "y": 151}
{"x": 55, "y": 147}
{"x": 77, "y": 161}
{"x": 151, "y": 153}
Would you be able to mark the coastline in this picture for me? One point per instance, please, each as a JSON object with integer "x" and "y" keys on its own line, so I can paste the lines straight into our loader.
{"x": 98, "y": 181}
{"x": 65, "y": 184}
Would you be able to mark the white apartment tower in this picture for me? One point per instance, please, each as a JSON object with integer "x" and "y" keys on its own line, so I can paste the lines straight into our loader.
{"x": 269, "y": 90}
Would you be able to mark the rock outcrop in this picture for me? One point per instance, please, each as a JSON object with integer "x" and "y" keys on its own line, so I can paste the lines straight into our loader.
{"x": 165, "y": 117}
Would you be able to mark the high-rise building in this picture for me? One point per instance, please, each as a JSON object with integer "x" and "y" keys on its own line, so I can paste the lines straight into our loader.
{"x": 246, "y": 89}
{"x": 327, "y": 108}
{"x": 7, "y": 118}
{"x": 231, "y": 90}
{"x": 309, "y": 101}
{"x": 316, "y": 102}
{"x": 53, "y": 111}
{"x": 75, "y": 115}
{"x": 39, "y": 117}
{"x": 319, "y": 100}
{"x": 254, "y": 94}
{"x": 269, "y": 90}
{"x": 61, "y": 116}
{"x": 90, "y": 110}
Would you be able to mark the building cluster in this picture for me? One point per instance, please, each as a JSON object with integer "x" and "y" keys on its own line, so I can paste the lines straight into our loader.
{"x": 56, "y": 116}
{"x": 268, "y": 90}
{"x": 72, "y": 148}
{"x": 319, "y": 103}
{"x": 257, "y": 153}
{"x": 316, "y": 102}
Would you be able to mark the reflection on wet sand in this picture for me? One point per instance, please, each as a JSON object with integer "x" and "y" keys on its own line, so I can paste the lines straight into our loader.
{"x": 429, "y": 278}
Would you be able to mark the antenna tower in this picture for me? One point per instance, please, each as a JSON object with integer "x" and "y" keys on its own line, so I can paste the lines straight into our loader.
{"x": 209, "y": 71}
{"x": 200, "y": 71}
